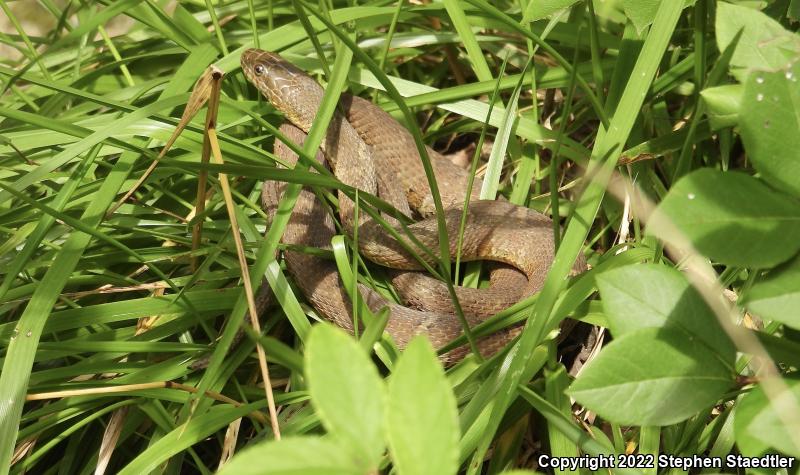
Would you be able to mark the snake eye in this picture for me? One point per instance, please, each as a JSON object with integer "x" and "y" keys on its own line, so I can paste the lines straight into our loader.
{"x": 258, "y": 69}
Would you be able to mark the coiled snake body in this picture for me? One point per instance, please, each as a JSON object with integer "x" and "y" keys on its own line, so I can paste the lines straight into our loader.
{"x": 372, "y": 152}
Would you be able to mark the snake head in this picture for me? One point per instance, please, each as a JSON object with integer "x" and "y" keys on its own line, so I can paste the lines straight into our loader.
{"x": 287, "y": 87}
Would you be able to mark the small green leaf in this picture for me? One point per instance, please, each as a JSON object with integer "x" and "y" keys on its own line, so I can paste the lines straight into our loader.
{"x": 652, "y": 377}
{"x": 652, "y": 295}
{"x": 643, "y": 12}
{"x": 777, "y": 297}
{"x": 306, "y": 455}
{"x": 765, "y": 43}
{"x": 422, "y": 421}
{"x": 770, "y": 127}
{"x": 723, "y": 104}
{"x": 734, "y": 218}
{"x": 346, "y": 392}
{"x": 770, "y": 421}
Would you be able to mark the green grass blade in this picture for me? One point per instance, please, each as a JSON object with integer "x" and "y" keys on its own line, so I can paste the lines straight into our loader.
{"x": 464, "y": 29}
{"x": 266, "y": 251}
{"x": 21, "y": 350}
{"x": 603, "y": 161}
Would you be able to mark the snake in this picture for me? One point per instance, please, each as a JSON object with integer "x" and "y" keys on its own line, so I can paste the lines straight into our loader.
{"x": 369, "y": 150}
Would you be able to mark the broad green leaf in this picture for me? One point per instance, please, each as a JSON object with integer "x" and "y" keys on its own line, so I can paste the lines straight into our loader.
{"x": 653, "y": 376}
{"x": 290, "y": 456}
{"x": 780, "y": 349}
{"x": 777, "y": 297}
{"x": 653, "y": 295}
{"x": 540, "y": 9}
{"x": 770, "y": 127}
{"x": 643, "y": 12}
{"x": 765, "y": 43}
{"x": 422, "y": 418}
{"x": 734, "y": 218}
{"x": 723, "y": 104}
{"x": 346, "y": 392}
{"x": 770, "y": 421}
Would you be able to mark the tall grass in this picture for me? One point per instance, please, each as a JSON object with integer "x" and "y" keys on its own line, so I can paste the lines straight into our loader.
{"x": 110, "y": 304}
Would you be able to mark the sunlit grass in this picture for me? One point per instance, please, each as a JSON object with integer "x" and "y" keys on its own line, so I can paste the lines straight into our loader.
{"x": 90, "y": 300}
